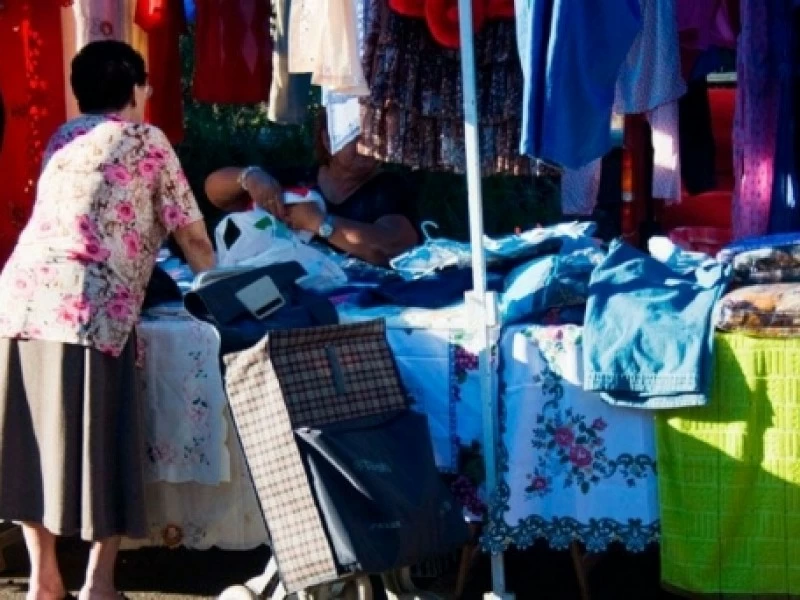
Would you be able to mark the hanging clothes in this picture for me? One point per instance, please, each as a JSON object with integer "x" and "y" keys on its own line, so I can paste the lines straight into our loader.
{"x": 305, "y": 34}
{"x": 233, "y": 51}
{"x": 164, "y": 22}
{"x": 697, "y": 146}
{"x": 650, "y": 75}
{"x": 32, "y": 89}
{"x": 98, "y": 20}
{"x": 93, "y": 20}
{"x": 784, "y": 211}
{"x": 706, "y": 23}
{"x": 414, "y": 114}
{"x": 288, "y": 95}
{"x": 323, "y": 41}
{"x": 579, "y": 189}
{"x": 343, "y": 111}
{"x": 190, "y": 10}
{"x": 571, "y": 54}
{"x": 758, "y": 99}
{"x": 707, "y": 29}
{"x": 84, "y": 21}
{"x": 650, "y": 82}
{"x": 664, "y": 132}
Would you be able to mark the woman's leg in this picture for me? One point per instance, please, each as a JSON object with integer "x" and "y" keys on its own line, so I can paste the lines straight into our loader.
{"x": 99, "y": 582}
{"x": 45, "y": 581}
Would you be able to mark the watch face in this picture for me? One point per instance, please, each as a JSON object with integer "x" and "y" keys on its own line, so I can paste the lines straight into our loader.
{"x": 326, "y": 229}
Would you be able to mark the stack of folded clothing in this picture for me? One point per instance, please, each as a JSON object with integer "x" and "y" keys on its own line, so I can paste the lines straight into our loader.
{"x": 767, "y": 298}
{"x": 648, "y": 335}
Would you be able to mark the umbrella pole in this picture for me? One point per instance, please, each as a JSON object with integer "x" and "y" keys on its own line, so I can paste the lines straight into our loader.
{"x": 482, "y": 305}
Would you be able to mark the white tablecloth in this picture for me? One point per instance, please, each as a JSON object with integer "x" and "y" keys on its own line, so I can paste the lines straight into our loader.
{"x": 573, "y": 467}
{"x": 178, "y": 359}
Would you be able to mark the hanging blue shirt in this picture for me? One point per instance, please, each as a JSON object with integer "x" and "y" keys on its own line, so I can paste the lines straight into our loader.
{"x": 571, "y": 52}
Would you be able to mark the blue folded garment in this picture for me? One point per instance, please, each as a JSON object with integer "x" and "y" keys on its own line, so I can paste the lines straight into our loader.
{"x": 434, "y": 291}
{"x": 547, "y": 282}
{"x": 759, "y": 242}
{"x": 648, "y": 334}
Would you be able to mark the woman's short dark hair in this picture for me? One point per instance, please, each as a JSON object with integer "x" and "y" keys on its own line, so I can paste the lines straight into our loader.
{"x": 104, "y": 74}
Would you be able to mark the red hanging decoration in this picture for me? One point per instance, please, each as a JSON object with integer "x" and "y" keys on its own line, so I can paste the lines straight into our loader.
{"x": 151, "y": 14}
{"x": 442, "y": 19}
{"x": 233, "y": 51}
{"x": 32, "y": 87}
{"x": 408, "y": 8}
{"x": 164, "y": 21}
{"x": 442, "y": 16}
{"x": 500, "y": 9}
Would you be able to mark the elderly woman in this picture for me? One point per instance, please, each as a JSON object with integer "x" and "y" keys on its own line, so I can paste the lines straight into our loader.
{"x": 370, "y": 213}
{"x": 71, "y": 426}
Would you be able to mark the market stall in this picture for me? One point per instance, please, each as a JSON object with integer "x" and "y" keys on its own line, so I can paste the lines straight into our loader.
{"x": 524, "y": 414}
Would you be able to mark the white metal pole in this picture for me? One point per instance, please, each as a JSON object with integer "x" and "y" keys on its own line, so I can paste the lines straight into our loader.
{"x": 482, "y": 305}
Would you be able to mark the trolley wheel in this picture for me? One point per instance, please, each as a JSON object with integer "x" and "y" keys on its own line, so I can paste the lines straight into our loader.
{"x": 238, "y": 592}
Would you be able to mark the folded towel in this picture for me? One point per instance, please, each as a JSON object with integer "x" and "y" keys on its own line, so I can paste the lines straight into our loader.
{"x": 648, "y": 333}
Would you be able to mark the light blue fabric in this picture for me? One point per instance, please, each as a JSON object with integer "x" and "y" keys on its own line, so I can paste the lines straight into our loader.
{"x": 554, "y": 281}
{"x": 666, "y": 251}
{"x": 437, "y": 254}
{"x": 648, "y": 335}
{"x": 571, "y": 52}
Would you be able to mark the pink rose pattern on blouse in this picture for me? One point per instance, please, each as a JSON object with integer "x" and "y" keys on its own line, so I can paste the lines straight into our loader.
{"x": 109, "y": 194}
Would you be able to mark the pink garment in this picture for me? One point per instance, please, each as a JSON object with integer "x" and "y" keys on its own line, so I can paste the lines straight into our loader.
{"x": 705, "y": 23}
{"x": 109, "y": 193}
{"x": 755, "y": 123}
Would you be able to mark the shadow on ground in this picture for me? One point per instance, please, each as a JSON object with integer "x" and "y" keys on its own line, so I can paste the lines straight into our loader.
{"x": 534, "y": 574}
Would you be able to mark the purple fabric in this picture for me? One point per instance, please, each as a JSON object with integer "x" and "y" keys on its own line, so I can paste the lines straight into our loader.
{"x": 705, "y": 23}
{"x": 755, "y": 125}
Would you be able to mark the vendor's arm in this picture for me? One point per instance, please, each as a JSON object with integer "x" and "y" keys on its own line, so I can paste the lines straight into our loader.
{"x": 376, "y": 243}
{"x": 234, "y": 189}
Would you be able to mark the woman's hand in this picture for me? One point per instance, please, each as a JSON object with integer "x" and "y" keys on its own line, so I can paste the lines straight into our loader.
{"x": 266, "y": 192}
{"x": 304, "y": 216}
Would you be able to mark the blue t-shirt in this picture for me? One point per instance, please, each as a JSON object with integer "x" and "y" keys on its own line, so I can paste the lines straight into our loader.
{"x": 571, "y": 52}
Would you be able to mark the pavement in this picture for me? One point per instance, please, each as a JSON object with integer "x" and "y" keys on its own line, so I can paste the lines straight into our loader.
{"x": 535, "y": 574}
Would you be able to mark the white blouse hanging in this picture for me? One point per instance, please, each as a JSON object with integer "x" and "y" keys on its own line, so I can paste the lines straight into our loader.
{"x": 324, "y": 42}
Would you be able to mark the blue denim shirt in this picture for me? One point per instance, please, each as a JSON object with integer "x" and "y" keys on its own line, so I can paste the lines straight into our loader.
{"x": 649, "y": 330}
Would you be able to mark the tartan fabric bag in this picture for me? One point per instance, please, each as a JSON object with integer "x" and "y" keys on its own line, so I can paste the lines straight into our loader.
{"x": 305, "y": 378}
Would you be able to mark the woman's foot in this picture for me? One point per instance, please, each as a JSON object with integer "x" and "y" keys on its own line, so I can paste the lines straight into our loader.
{"x": 95, "y": 593}
{"x": 54, "y": 591}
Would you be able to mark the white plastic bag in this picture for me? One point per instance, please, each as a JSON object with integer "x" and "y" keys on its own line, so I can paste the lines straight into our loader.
{"x": 256, "y": 238}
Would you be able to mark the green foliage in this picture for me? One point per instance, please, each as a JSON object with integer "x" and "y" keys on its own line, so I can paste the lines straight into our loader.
{"x": 237, "y": 135}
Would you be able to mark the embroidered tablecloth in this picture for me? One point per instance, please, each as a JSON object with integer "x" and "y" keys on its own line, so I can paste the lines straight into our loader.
{"x": 730, "y": 476}
{"x": 200, "y": 516}
{"x": 178, "y": 359}
{"x": 572, "y": 467}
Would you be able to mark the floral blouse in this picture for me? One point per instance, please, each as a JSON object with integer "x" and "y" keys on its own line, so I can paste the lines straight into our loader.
{"x": 109, "y": 193}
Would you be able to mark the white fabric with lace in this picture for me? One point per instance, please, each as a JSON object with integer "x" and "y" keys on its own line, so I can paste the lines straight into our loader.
{"x": 323, "y": 41}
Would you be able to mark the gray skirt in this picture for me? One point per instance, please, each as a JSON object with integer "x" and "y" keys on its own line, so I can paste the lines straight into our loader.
{"x": 71, "y": 439}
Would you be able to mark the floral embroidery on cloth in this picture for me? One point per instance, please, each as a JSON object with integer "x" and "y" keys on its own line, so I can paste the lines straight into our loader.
{"x": 571, "y": 468}
{"x": 109, "y": 193}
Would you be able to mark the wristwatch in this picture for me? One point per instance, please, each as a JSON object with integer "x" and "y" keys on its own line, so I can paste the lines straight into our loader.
{"x": 326, "y": 227}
